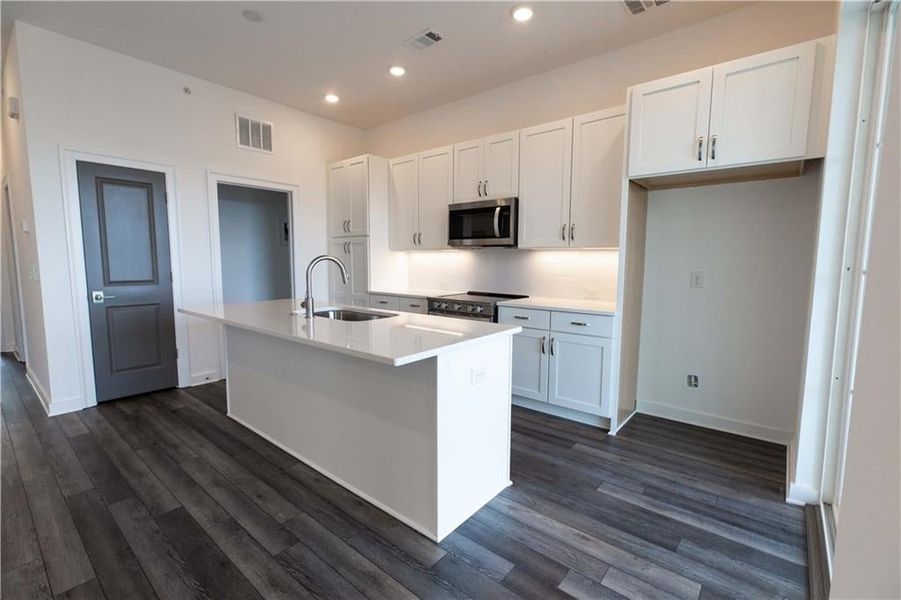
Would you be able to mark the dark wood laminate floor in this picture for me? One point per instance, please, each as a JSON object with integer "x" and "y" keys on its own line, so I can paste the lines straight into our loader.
{"x": 163, "y": 496}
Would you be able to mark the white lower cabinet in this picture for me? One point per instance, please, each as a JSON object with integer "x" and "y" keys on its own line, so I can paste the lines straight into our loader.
{"x": 579, "y": 372}
{"x": 530, "y": 364}
{"x": 569, "y": 370}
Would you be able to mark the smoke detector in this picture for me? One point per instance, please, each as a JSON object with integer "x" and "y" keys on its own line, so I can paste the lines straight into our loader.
{"x": 424, "y": 39}
{"x": 637, "y": 7}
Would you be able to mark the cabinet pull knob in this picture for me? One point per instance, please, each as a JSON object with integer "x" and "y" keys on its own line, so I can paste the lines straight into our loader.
{"x": 522, "y": 318}
{"x": 552, "y": 347}
{"x": 713, "y": 148}
{"x": 580, "y": 323}
{"x": 700, "y": 148}
{"x": 544, "y": 337}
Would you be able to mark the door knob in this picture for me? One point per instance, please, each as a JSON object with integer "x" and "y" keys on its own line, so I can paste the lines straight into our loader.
{"x": 97, "y": 297}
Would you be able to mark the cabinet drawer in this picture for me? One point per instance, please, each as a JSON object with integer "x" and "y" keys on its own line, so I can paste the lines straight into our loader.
{"x": 386, "y": 302}
{"x": 525, "y": 317}
{"x": 413, "y": 305}
{"x": 595, "y": 325}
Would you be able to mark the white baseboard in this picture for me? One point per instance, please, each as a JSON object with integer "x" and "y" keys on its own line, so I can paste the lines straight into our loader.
{"x": 205, "y": 377}
{"x": 565, "y": 413}
{"x": 752, "y": 430}
{"x": 51, "y": 407}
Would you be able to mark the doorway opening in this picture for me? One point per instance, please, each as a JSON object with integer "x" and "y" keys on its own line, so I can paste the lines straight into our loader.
{"x": 13, "y": 316}
{"x": 255, "y": 242}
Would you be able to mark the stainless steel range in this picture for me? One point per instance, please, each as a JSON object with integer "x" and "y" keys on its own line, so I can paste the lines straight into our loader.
{"x": 478, "y": 306}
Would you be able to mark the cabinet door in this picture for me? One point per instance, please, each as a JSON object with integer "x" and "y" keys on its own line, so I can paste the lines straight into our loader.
{"x": 668, "y": 124}
{"x": 338, "y": 199}
{"x": 597, "y": 181}
{"x": 338, "y": 292}
{"x": 544, "y": 186}
{"x": 761, "y": 107}
{"x": 436, "y": 191}
{"x": 358, "y": 195}
{"x": 530, "y": 364}
{"x": 403, "y": 190}
{"x": 467, "y": 171}
{"x": 579, "y": 372}
{"x": 501, "y": 165}
{"x": 358, "y": 269}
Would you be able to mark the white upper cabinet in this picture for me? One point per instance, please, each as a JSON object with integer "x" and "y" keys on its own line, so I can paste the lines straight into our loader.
{"x": 468, "y": 171}
{"x": 403, "y": 193}
{"x": 436, "y": 191}
{"x": 338, "y": 199}
{"x": 750, "y": 111}
{"x": 354, "y": 253}
{"x": 668, "y": 128}
{"x": 544, "y": 186}
{"x": 760, "y": 107}
{"x": 358, "y": 182}
{"x": 501, "y": 174}
{"x": 597, "y": 178}
{"x": 348, "y": 197}
{"x": 486, "y": 168}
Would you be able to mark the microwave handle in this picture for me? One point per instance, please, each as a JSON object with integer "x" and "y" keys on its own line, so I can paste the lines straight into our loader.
{"x": 497, "y": 222}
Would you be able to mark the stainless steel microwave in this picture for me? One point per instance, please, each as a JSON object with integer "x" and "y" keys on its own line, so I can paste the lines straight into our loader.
{"x": 483, "y": 223}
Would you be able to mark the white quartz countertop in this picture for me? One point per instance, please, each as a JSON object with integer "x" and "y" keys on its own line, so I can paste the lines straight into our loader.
{"x": 416, "y": 292}
{"x": 398, "y": 340}
{"x": 579, "y": 305}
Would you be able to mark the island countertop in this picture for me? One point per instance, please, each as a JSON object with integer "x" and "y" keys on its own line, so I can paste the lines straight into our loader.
{"x": 401, "y": 339}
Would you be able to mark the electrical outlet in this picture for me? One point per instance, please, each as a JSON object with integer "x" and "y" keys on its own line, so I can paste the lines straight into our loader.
{"x": 697, "y": 279}
{"x": 34, "y": 274}
{"x": 692, "y": 381}
{"x": 476, "y": 376}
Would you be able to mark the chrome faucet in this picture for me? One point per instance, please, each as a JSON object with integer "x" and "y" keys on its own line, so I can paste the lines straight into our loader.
{"x": 308, "y": 297}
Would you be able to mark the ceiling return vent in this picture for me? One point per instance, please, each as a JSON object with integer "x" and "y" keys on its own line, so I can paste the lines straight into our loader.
{"x": 424, "y": 39}
{"x": 253, "y": 134}
{"x": 637, "y": 7}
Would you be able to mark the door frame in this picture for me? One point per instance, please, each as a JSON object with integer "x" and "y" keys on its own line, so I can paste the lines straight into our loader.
{"x": 214, "y": 178}
{"x": 69, "y": 158}
{"x": 6, "y": 190}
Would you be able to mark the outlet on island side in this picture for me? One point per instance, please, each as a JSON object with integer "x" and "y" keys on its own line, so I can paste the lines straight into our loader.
{"x": 692, "y": 381}
{"x": 697, "y": 279}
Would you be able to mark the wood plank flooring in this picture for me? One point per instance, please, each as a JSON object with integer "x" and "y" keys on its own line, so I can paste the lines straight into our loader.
{"x": 163, "y": 496}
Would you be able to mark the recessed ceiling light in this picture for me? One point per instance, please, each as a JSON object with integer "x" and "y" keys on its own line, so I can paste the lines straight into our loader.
{"x": 521, "y": 13}
{"x": 252, "y": 16}
{"x": 397, "y": 70}
{"x": 332, "y": 98}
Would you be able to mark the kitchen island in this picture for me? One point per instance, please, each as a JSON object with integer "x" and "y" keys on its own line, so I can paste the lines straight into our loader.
{"x": 410, "y": 412}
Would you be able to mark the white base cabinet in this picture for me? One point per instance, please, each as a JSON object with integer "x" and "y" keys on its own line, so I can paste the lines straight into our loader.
{"x": 555, "y": 367}
{"x": 410, "y": 304}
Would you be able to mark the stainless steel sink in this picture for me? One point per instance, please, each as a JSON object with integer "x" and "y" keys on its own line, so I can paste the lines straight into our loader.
{"x": 351, "y": 315}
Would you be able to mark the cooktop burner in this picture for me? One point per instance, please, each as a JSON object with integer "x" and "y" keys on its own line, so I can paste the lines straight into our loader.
{"x": 471, "y": 305}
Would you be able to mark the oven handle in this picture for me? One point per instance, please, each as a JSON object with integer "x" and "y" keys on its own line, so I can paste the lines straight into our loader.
{"x": 497, "y": 222}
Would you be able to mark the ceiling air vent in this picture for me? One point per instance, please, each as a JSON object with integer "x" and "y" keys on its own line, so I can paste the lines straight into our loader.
{"x": 637, "y": 7}
{"x": 424, "y": 39}
{"x": 253, "y": 134}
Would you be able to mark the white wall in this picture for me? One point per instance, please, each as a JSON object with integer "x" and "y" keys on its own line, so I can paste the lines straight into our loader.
{"x": 78, "y": 96}
{"x": 868, "y": 543}
{"x": 581, "y": 87}
{"x": 256, "y": 259}
{"x": 743, "y": 332}
{"x": 16, "y": 169}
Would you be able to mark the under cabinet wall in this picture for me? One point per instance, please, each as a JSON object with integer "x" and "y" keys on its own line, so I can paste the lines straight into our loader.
{"x": 743, "y": 331}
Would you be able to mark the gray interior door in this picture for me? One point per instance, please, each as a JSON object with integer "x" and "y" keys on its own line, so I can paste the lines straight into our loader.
{"x": 126, "y": 251}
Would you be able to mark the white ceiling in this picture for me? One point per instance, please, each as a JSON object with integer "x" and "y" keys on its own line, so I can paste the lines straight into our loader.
{"x": 301, "y": 50}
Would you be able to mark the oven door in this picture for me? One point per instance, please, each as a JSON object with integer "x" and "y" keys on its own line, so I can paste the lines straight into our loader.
{"x": 483, "y": 223}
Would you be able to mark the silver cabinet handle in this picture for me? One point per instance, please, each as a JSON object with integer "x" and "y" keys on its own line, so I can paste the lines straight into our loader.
{"x": 479, "y": 188}
{"x": 485, "y": 185}
{"x": 415, "y": 305}
{"x": 419, "y": 238}
{"x": 552, "y": 347}
{"x": 383, "y": 302}
{"x": 522, "y": 318}
{"x": 544, "y": 337}
{"x": 97, "y": 297}
{"x": 563, "y": 232}
{"x": 580, "y": 323}
{"x": 572, "y": 232}
{"x": 700, "y": 148}
{"x": 713, "y": 148}
{"x": 414, "y": 239}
